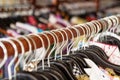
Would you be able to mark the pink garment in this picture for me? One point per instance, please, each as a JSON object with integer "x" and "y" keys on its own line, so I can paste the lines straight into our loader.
{"x": 32, "y": 20}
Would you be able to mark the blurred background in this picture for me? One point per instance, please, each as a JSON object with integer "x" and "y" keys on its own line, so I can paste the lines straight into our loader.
{"x": 22, "y": 17}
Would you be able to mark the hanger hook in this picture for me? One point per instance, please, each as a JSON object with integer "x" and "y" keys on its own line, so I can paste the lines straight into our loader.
{"x": 115, "y": 21}
{"x": 42, "y": 53}
{"x": 81, "y": 43}
{"x": 5, "y": 54}
{"x": 96, "y": 29}
{"x": 65, "y": 41}
{"x": 70, "y": 41}
{"x": 29, "y": 51}
{"x": 110, "y": 21}
{"x": 47, "y": 47}
{"x": 55, "y": 42}
{"x": 32, "y": 54}
{"x": 91, "y": 33}
{"x": 78, "y": 34}
{"x": 22, "y": 53}
{"x": 86, "y": 35}
{"x": 14, "y": 57}
{"x": 58, "y": 49}
{"x": 98, "y": 24}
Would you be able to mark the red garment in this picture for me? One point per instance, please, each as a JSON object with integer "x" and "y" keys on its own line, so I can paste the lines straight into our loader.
{"x": 32, "y": 20}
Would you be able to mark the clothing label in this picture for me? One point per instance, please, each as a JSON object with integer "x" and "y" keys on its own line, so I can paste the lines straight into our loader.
{"x": 112, "y": 51}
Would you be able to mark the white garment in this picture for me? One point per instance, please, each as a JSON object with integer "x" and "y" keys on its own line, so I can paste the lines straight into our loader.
{"x": 27, "y": 27}
{"x": 94, "y": 72}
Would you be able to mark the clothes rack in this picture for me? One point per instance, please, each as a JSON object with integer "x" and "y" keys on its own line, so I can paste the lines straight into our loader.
{"x": 103, "y": 24}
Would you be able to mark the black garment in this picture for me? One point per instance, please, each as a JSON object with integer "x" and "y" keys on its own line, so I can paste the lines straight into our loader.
{"x": 109, "y": 40}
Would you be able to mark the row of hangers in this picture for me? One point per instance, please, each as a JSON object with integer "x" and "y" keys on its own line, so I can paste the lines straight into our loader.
{"x": 59, "y": 39}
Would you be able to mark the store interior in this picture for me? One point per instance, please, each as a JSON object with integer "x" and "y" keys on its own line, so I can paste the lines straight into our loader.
{"x": 59, "y": 39}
